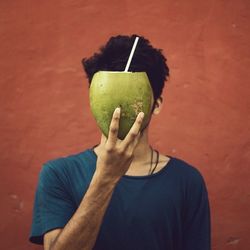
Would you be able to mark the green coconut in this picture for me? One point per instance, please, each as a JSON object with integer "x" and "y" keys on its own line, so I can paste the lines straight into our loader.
{"x": 129, "y": 90}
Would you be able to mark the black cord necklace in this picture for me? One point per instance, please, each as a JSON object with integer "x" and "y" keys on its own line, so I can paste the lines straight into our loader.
{"x": 157, "y": 160}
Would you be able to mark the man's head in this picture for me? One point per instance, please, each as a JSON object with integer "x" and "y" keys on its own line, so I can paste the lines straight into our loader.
{"x": 113, "y": 56}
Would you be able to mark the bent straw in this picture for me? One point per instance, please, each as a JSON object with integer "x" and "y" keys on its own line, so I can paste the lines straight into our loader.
{"x": 131, "y": 54}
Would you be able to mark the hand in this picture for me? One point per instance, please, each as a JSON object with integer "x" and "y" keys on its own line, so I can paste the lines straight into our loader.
{"x": 116, "y": 155}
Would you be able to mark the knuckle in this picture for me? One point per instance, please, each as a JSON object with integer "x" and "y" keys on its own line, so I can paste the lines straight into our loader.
{"x": 113, "y": 129}
{"x": 109, "y": 149}
{"x": 120, "y": 152}
{"x": 133, "y": 134}
{"x": 128, "y": 155}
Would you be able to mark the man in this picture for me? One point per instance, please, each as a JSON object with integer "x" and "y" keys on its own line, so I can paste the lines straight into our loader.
{"x": 122, "y": 194}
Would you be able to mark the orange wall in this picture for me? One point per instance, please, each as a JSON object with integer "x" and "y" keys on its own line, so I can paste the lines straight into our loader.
{"x": 44, "y": 97}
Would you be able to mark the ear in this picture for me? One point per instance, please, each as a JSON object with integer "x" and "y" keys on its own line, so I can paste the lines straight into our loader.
{"x": 158, "y": 106}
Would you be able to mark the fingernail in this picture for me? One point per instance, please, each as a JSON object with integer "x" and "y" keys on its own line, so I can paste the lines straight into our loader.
{"x": 141, "y": 115}
{"x": 118, "y": 110}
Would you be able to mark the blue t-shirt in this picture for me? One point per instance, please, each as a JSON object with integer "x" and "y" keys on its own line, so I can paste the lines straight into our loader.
{"x": 168, "y": 210}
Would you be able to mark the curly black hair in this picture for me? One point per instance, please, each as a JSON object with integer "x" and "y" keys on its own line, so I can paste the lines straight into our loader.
{"x": 113, "y": 56}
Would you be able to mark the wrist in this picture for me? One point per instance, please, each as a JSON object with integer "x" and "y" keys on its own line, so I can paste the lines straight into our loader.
{"x": 105, "y": 179}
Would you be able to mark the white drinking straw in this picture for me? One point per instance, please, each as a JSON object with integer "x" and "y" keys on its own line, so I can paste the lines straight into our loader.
{"x": 131, "y": 54}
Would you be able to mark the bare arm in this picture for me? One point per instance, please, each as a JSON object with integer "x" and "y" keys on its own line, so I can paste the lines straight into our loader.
{"x": 82, "y": 229}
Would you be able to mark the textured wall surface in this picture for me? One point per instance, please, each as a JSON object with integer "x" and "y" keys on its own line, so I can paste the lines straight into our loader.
{"x": 205, "y": 119}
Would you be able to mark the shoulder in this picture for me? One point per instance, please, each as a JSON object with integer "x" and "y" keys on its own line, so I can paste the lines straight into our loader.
{"x": 187, "y": 172}
{"x": 60, "y": 168}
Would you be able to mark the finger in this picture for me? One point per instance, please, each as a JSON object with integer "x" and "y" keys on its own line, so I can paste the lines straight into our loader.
{"x": 133, "y": 145}
{"x": 114, "y": 128}
{"x": 136, "y": 141}
{"x": 133, "y": 132}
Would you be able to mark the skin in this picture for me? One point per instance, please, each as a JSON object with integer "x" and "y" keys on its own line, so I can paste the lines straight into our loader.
{"x": 142, "y": 153}
{"x": 115, "y": 159}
